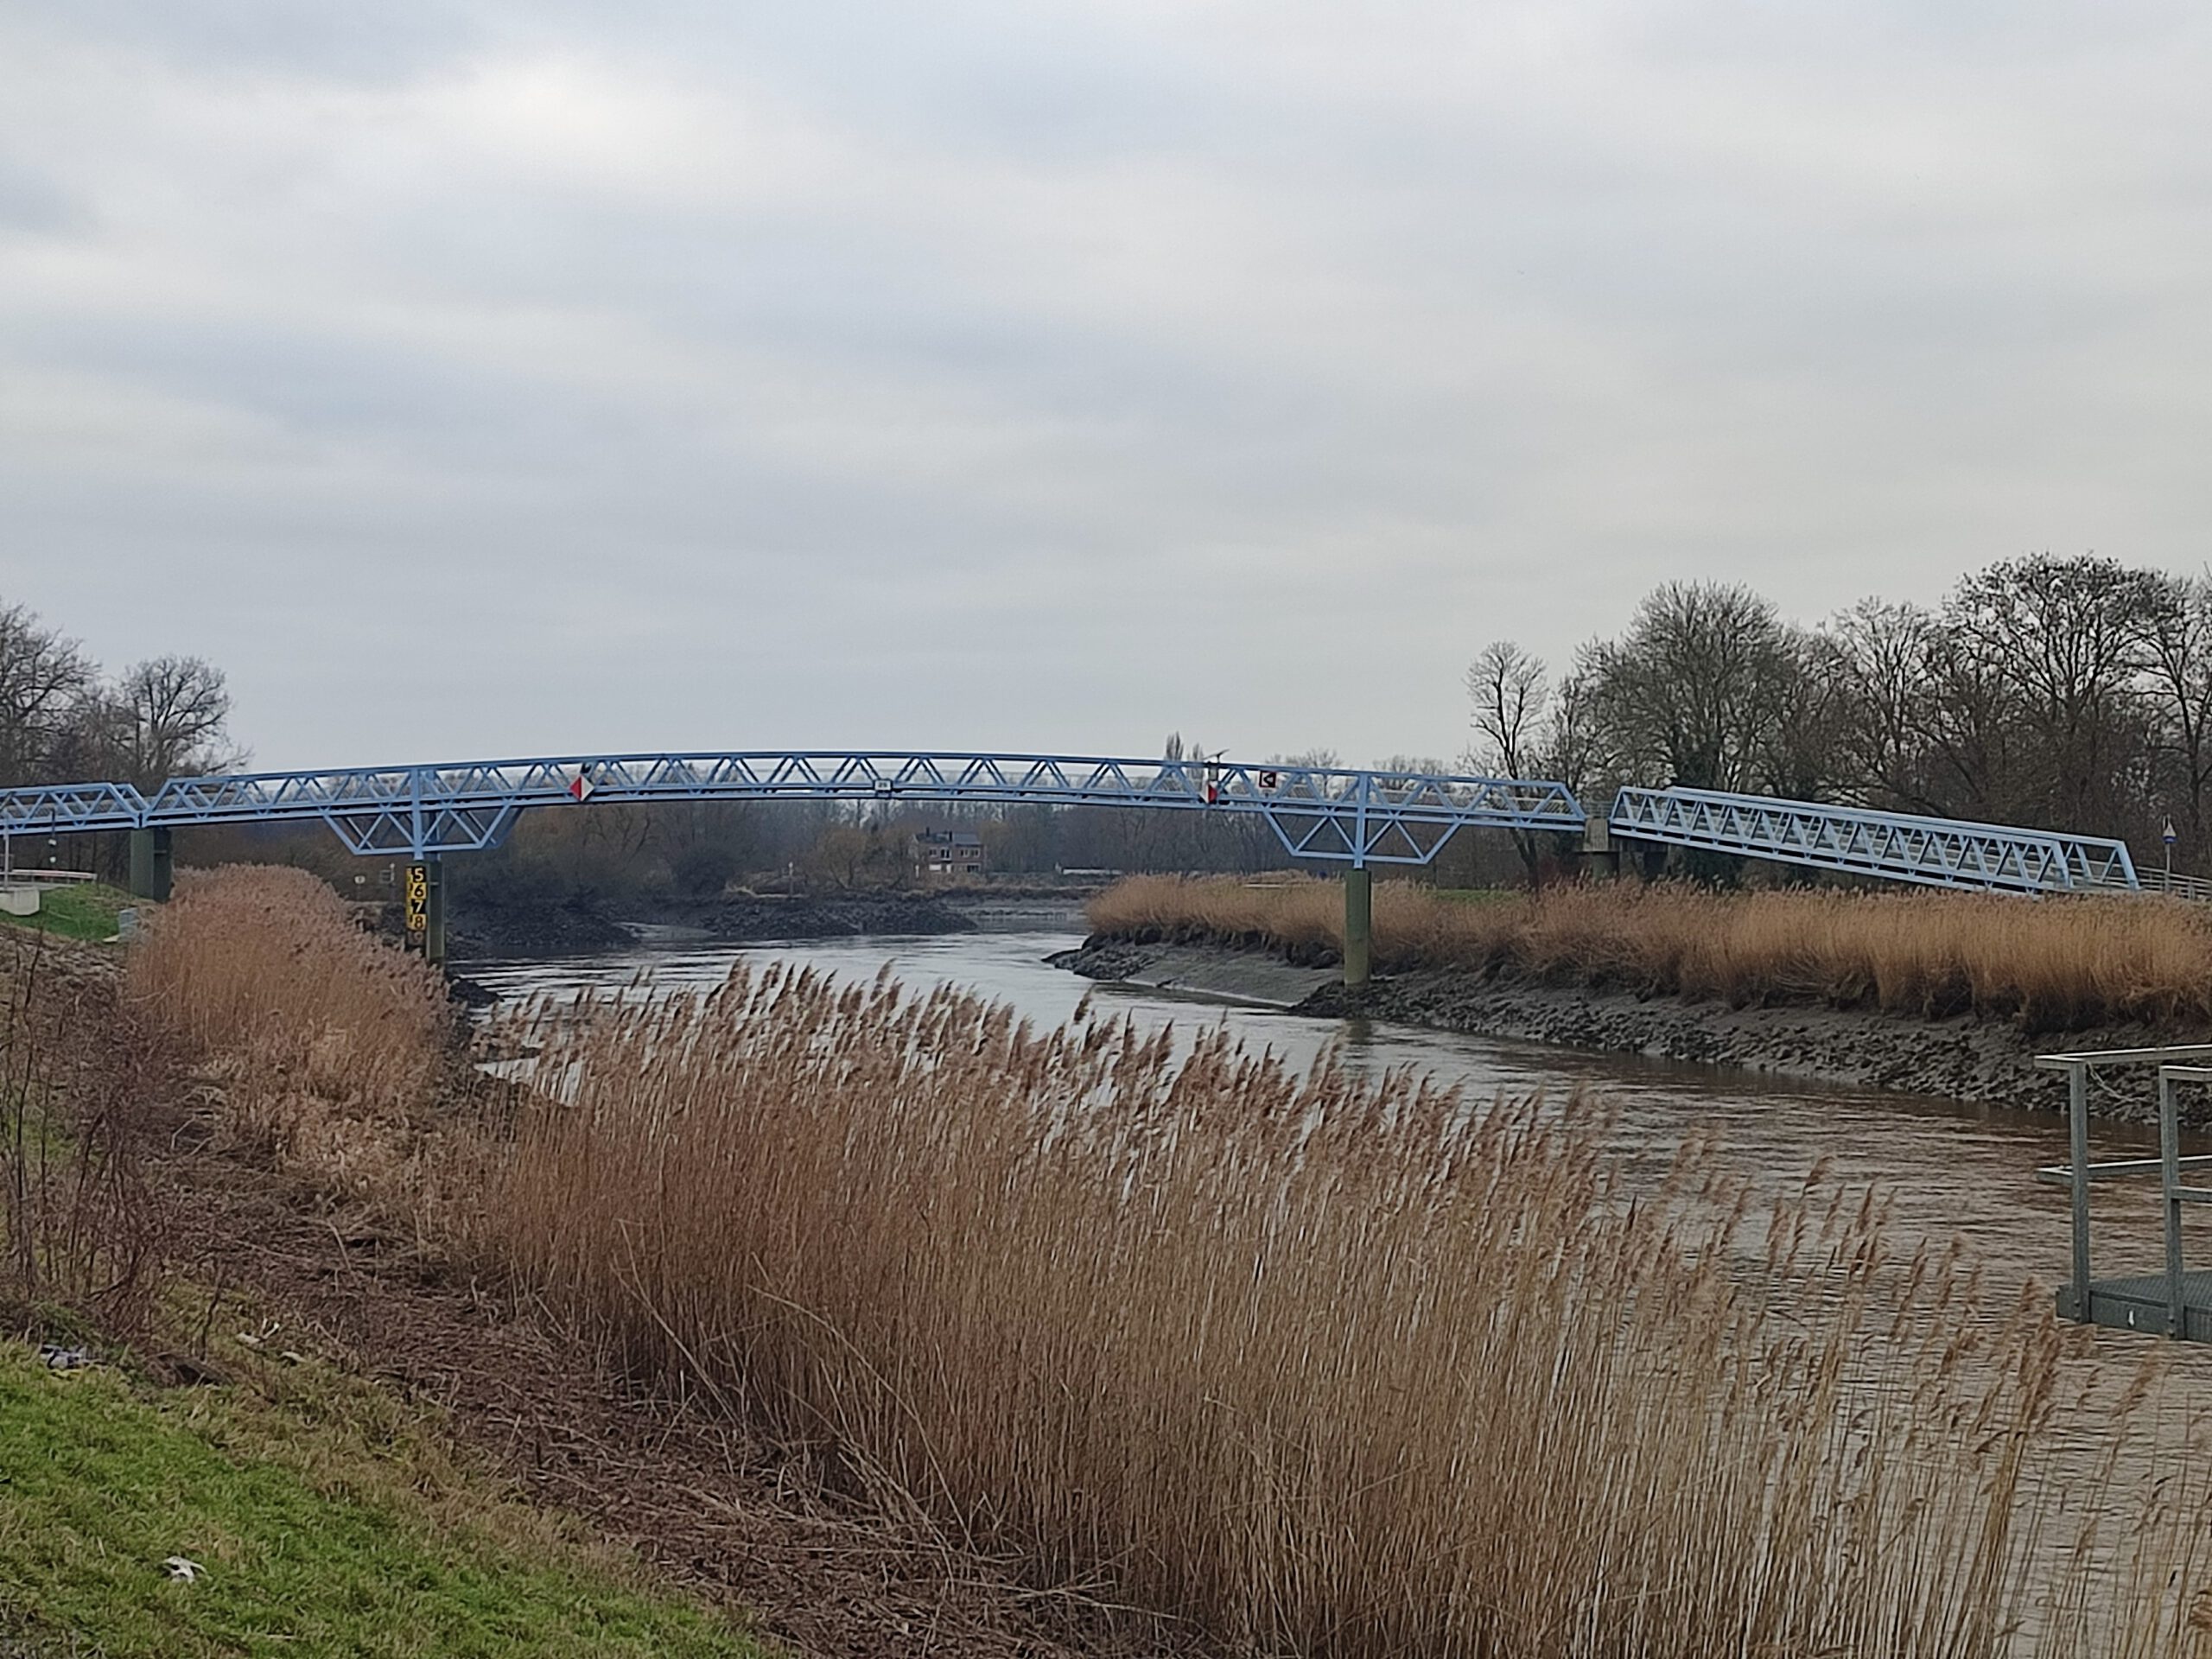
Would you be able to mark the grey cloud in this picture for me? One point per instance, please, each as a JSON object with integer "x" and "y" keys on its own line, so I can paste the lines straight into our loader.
{"x": 242, "y": 36}
{"x": 536, "y": 375}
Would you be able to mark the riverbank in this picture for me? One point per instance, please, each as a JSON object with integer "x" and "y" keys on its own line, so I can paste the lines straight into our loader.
{"x": 1930, "y": 994}
{"x": 1963, "y": 1056}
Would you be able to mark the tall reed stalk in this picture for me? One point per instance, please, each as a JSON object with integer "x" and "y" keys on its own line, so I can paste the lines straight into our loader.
{"x": 2054, "y": 964}
{"x": 1324, "y": 1366}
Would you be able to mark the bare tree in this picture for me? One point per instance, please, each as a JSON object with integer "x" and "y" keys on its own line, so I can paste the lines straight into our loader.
{"x": 1697, "y": 692}
{"x": 2177, "y": 646}
{"x": 1886, "y": 658}
{"x": 1510, "y": 692}
{"x": 173, "y": 713}
{"x": 44, "y": 682}
{"x": 1568, "y": 749}
{"x": 2057, "y": 645}
{"x": 1400, "y": 768}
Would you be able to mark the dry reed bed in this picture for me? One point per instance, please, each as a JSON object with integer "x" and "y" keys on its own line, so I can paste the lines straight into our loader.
{"x": 327, "y": 1044}
{"x": 2054, "y": 964}
{"x": 1329, "y": 1369}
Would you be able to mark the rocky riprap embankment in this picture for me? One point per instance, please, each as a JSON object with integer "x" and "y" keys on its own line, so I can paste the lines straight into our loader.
{"x": 1961, "y": 1059}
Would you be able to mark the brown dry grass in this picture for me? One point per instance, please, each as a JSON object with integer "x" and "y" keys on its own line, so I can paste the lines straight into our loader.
{"x": 1329, "y": 1369}
{"x": 325, "y": 1043}
{"x": 2054, "y": 964}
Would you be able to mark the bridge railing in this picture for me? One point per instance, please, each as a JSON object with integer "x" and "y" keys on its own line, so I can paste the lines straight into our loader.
{"x": 2195, "y": 888}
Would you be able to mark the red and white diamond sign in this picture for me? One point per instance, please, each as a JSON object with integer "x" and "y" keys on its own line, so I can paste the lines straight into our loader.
{"x": 581, "y": 785}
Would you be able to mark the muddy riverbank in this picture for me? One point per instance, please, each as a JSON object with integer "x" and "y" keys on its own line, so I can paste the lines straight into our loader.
{"x": 1963, "y": 1058}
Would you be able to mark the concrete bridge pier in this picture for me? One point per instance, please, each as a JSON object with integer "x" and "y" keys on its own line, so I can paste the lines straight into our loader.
{"x": 1359, "y": 924}
{"x": 1601, "y": 854}
{"x": 150, "y": 863}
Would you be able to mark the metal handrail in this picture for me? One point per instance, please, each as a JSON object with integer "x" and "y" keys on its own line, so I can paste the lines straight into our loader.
{"x": 2196, "y": 888}
{"x": 2182, "y": 1063}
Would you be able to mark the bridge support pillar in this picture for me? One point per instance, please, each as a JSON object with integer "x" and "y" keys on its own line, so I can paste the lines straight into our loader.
{"x": 1359, "y": 924}
{"x": 434, "y": 912}
{"x": 1601, "y": 854}
{"x": 149, "y": 863}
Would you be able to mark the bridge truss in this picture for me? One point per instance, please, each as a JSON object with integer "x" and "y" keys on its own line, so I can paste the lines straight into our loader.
{"x": 1892, "y": 846}
{"x": 1357, "y": 817}
{"x": 1346, "y": 816}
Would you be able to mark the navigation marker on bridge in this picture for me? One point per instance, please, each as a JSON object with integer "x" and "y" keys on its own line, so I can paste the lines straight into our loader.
{"x": 580, "y": 786}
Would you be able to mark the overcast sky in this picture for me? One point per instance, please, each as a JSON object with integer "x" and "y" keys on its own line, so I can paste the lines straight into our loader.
{"x": 475, "y": 379}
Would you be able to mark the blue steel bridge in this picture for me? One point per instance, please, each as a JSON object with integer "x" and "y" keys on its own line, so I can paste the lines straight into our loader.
{"x": 1358, "y": 818}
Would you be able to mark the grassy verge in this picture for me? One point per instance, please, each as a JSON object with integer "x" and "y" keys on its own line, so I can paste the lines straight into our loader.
{"x": 2053, "y": 964}
{"x": 326, "y": 1522}
{"x": 84, "y": 910}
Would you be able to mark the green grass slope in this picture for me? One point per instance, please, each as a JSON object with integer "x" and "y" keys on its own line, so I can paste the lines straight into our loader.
{"x": 313, "y": 1538}
{"x": 83, "y": 910}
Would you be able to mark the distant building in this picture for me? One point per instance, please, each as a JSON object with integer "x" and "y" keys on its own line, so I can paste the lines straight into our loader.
{"x": 941, "y": 854}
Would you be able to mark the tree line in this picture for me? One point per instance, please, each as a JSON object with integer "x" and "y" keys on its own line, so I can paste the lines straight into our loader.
{"x": 2063, "y": 693}
{"x": 62, "y": 720}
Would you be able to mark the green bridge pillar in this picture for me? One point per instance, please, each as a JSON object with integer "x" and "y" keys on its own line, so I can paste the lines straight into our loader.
{"x": 149, "y": 863}
{"x": 1359, "y": 924}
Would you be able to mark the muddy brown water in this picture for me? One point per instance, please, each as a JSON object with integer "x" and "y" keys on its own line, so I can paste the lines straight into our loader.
{"x": 1949, "y": 1169}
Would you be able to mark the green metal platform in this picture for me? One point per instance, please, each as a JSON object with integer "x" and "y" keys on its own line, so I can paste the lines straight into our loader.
{"x": 2139, "y": 1304}
{"x": 2176, "y": 1302}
